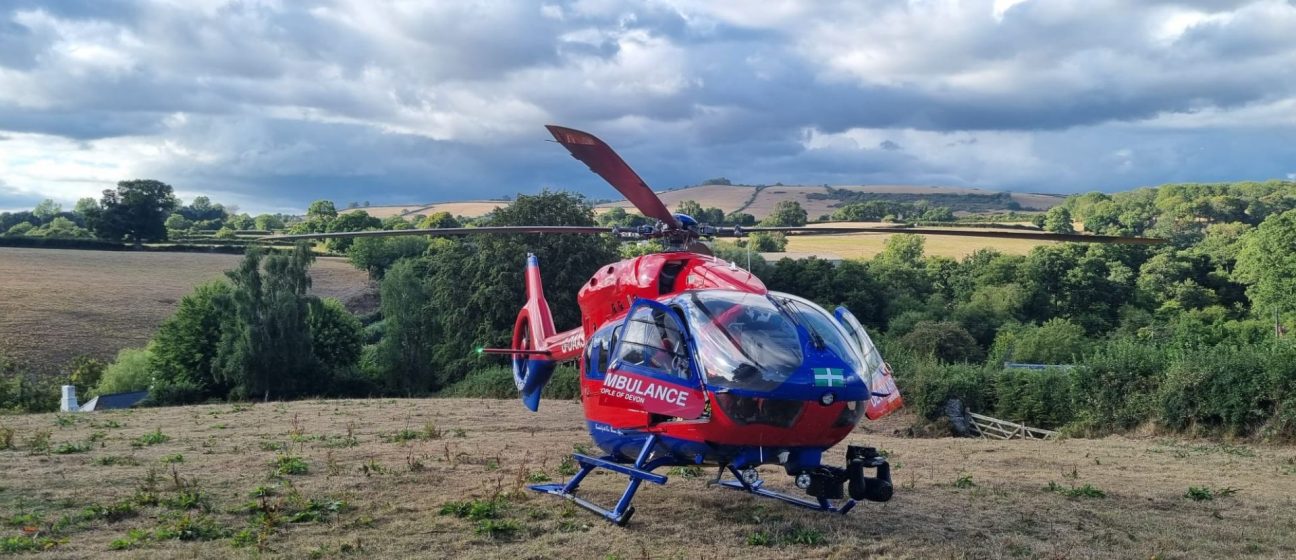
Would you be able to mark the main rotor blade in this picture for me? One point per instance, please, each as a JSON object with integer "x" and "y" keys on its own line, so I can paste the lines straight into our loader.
{"x": 444, "y": 231}
{"x": 604, "y": 161}
{"x": 1072, "y": 237}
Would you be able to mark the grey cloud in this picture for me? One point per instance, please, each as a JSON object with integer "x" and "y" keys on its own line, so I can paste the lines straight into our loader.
{"x": 297, "y": 100}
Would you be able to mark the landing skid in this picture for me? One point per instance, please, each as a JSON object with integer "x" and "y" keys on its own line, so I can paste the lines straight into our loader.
{"x": 621, "y": 513}
{"x": 757, "y": 487}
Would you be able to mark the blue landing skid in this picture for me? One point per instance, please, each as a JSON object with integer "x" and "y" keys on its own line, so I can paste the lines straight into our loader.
{"x": 757, "y": 488}
{"x": 639, "y": 472}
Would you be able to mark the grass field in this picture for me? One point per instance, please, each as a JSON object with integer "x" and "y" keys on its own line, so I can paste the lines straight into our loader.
{"x": 857, "y": 246}
{"x": 372, "y": 478}
{"x": 58, "y": 304}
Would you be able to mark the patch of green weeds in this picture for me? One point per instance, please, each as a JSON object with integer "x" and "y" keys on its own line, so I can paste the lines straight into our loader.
{"x": 6, "y": 437}
{"x": 690, "y": 471}
{"x": 964, "y": 481}
{"x": 567, "y": 466}
{"x": 65, "y": 420}
{"x": 38, "y": 443}
{"x": 172, "y": 459}
{"x": 290, "y": 465}
{"x": 182, "y": 527}
{"x": 23, "y": 543}
{"x": 475, "y": 510}
{"x": 1073, "y": 491}
{"x": 315, "y": 511}
{"x": 538, "y": 476}
{"x": 105, "y": 424}
{"x": 273, "y": 446}
{"x": 460, "y": 433}
{"x": 155, "y": 437}
{"x": 796, "y": 534}
{"x": 98, "y": 435}
{"x": 1205, "y": 493}
{"x": 116, "y": 460}
{"x": 498, "y": 528}
{"x": 69, "y": 447}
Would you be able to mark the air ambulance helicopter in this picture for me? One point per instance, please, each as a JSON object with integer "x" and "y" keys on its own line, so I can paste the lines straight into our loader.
{"x": 686, "y": 359}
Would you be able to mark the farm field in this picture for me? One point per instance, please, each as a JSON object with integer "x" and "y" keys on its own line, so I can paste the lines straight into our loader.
{"x": 371, "y": 478}
{"x": 863, "y": 246}
{"x": 57, "y": 304}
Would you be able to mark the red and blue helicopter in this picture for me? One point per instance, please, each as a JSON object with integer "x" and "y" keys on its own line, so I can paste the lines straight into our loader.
{"x": 686, "y": 359}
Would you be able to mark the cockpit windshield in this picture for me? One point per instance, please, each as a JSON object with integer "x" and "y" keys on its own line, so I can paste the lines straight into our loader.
{"x": 743, "y": 339}
{"x": 751, "y": 341}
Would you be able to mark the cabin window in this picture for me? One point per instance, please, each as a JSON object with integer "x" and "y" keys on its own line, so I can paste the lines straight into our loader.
{"x": 652, "y": 339}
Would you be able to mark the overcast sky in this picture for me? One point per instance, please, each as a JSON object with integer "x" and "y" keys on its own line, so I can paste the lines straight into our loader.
{"x": 271, "y": 104}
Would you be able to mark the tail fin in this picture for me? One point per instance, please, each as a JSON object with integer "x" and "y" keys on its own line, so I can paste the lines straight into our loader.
{"x": 531, "y": 332}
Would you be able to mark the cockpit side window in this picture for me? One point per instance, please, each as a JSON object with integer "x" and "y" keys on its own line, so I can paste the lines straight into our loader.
{"x": 652, "y": 339}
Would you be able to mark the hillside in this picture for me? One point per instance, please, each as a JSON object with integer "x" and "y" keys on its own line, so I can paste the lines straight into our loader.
{"x": 372, "y": 478}
{"x": 59, "y": 304}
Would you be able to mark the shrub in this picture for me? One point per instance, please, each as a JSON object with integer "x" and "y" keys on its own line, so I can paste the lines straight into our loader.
{"x": 927, "y": 385}
{"x": 1057, "y": 341}
{"x": 497, "y": 383}
{"x": 129, "y": 372}
{"x": 1116, "y": 387}
{"x": 946, "y": 341}
{"x": 1237, "y": 389}
{"x": 1041, "y": 398}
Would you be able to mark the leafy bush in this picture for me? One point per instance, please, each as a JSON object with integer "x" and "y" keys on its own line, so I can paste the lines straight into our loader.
{"x": 927, "y": 385}
{"x": 497, "y": 383}
{"x": 1041, "y": 398}
{"x": 1116, "y": 387}
{"x": 1057, "y": 341}
{"x": 946, "y": 341}
{"x": 131, "y": 371}
{"x": 1236, "y": 389}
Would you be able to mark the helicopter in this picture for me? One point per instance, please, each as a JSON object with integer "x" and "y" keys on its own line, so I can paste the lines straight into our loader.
{"x": 686, "y": 359}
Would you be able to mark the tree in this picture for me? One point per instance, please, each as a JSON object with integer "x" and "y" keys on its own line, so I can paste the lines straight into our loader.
{"x": 356, "y": 220}
{"x": 1058, "y": 220}
{"x": 136, "y": 210}
{"x": 1057, "y": 341}
{"x": 377, "y": 254}
{"x": 129, "y": 372}
{"x": 85, "y": 373}
{"x": 178, "y": 222}
{"x": 186, "y": 345}
{"x": 265, "y": 348}
{"x": 266, "y": 222}
{"x": 1267, "y": 264}
{"x": 85, "y": 206}
{"x": 903, "y": 248}
{"x": 439, "y": 220}
{"x": 61, "y": 227}
{"x": 322, "y": 209}
{"x": 690, "y": 208}
{"x": 336, "y": 335}
{"x": 765, "y": 242}
{"x": 466, "y": 292}
{"x": 740, "y": 219}
{"x": 787, "y": 213}
{"x": 19, "y": 229}
{"x": 46, "y": 210}
{"x": 943, "y": 340}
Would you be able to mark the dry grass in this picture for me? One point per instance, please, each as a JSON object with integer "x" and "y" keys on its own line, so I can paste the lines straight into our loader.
{"x": 389, "y": 491}
{"x": 58, "y": 304}
{"x": 867, "y": 245}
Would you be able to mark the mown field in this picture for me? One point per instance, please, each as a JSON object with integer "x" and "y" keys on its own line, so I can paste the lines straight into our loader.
{"x": 57, "y": 304}
{"x": 868, "y": 245}
{"x": 445, "y": 478}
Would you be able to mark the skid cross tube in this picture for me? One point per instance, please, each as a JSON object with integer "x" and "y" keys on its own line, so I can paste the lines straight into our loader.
{"x": 641, "y": 470}
{"x": 758, "y": 489}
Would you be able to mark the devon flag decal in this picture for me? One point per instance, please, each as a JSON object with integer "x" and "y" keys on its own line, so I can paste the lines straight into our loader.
{"x": 829, "y": 377}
